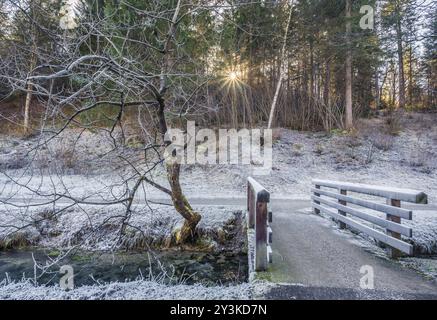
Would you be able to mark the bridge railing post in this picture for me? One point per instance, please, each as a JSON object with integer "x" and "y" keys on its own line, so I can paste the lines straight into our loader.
{"x": 258, "y": 219}
{"x": 317, "y": 211}
{"x": 344, "y": 203}
{"x": 250, "y": 206}
{"x": 392, "y": 252}
{"x": 261, "y": 258}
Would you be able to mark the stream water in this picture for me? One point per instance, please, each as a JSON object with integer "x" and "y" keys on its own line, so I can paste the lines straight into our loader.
{"x": 92, "y": 268}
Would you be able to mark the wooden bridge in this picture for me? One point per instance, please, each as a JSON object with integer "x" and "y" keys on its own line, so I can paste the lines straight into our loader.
{"x": 296, "y": 246}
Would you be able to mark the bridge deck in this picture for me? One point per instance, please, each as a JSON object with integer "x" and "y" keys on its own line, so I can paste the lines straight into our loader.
{"x": 308, "y": 250}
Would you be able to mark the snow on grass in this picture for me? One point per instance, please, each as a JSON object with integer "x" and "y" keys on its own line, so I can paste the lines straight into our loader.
{"x": 137, "y": 290}
{"x": 98, "y": 228}
{"x": 424, "y": 225}
{"x": 372, "y": 156}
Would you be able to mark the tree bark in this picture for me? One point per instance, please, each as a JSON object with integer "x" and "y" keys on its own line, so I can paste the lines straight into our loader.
{"x": 410, "y": 76}
{"x": 28, "y": 100}
{"x": 377, "y": 91}
{"x": 29, "y": 87}
{"x": 181, "y": 204}
{"x": 401, "y": 61}
{"x": 27, "y": 103}
{"x": 326, "y": 96}
{"x": 349, "y": 115}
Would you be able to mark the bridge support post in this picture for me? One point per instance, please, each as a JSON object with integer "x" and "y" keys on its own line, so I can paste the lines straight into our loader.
{"x": 317, "y": 211}
{"x": 261, "y": 237}
{"x": 392, "y": 252}
{"x": 257, "y": 204}
{"x": 342, "y": 224}
{"x": 250, "y": 207}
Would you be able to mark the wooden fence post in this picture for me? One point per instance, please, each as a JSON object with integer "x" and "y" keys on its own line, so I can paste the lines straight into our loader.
{"x": 392, "y": 252}
{"x": 248, "y": 196}
{"x": 250, "y": 205}
{"x": 317, "y": 211}
{"x": 342, "y": 224}
{"x": 261, "y": 236}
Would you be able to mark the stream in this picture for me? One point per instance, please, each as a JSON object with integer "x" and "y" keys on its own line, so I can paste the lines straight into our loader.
{"x": 170, "y": 267}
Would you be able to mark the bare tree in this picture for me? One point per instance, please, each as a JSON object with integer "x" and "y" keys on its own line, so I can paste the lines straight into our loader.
{"x": 282, "y": 74}
{"x": 125, "y": 70}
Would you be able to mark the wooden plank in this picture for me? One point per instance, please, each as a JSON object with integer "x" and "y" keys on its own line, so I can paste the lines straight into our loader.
{"x": 269, "y": 254}
{"x": 270, "y": 234}
{"x": 392, "y": 226}
{"x": 408, "y": 195}
{"x": 395, "y": 243}
{"x": 261, "y": 236}
{"x": 399, "y": 212}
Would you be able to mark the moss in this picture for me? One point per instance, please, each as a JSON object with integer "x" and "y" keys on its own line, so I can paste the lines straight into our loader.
{"x": 54, "y": 253}
{"x": 81, "y": 257}
{"x": 264, "y": 276}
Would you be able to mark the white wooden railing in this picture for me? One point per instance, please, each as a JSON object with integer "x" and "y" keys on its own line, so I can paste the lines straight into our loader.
{"x": 340, "y": 211}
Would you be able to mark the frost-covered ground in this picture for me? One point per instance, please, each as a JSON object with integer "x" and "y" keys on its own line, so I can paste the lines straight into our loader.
{"x": 84, "y": 164}
{"x": 98, "y": 228}
{"x": 136, "y": 290}
{"x": 89, "y": 167}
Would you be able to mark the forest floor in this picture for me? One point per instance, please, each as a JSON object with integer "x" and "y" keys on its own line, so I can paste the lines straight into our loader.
{"x": 389, "y": 151}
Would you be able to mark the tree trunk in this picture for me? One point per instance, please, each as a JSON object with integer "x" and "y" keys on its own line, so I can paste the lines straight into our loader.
{"x": 410, "y": 76}
{"x": 377, "y": 91}
{"x": 382, "y": 86}
{"x": 326, "y": 97}
{"x": 401, "y": 63}
{"x": 281, "y": 73}
{"x": 29, "y": 87}
{"x": 394, "y": 87}
{"x": 192, "y": 218}
{"x": 27, "y": 109}
{"x": 349, "y": 115}
{"x": 312, "y": 71}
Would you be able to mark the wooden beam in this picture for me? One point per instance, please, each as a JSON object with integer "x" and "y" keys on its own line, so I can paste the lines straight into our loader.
{"x": 399, "y": 212}
{"x": 407, "y": 195}
{"x": 262, "y": 194}
{"x": 387, "y": 224}
{"x": 261, "y": 236}
{"x": 257, "y": 200}
{"x": 393, "y": 242}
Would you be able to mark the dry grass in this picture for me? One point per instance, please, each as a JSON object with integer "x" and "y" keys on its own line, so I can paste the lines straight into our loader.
{"x": 18, "y": 240}
{"x": 393, "y": 123}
